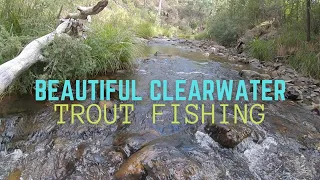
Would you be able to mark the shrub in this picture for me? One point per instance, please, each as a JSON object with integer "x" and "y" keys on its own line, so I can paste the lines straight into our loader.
{"x": 307, "y": 61}
{"x": 112, "y": 48}
{"x": 167, "y": 31}
{"x": 68, "y": 59}
{"x": 9, "y": 45}
{"x": 262, "y": 49}
{"x": 223, "y": 31}
{"x": 145, "y": 30}
{"x": 202, "y": 36}
{"x": 109, "y": 49}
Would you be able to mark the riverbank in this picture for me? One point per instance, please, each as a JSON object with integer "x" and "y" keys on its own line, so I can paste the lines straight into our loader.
{"x": 301, "y": 89}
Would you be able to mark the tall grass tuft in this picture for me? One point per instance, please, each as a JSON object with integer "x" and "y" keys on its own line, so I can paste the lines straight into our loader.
{"x": 145, "y": 30}
{"x": 262, "y": 49}
{"x": 112, "y": 48}
{"x": 307, "y": 60}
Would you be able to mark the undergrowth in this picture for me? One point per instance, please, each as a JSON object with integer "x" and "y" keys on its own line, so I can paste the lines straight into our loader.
{"x": 262, "y": 49}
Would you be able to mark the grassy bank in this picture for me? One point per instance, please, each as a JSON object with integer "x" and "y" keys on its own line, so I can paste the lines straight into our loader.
{"x": 291, "y": 47}
{"x": 231, "y": 20}
{"x": 111, "y": 42}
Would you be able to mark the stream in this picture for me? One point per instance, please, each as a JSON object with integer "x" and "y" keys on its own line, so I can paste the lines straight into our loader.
{"x": 285, "y": 146}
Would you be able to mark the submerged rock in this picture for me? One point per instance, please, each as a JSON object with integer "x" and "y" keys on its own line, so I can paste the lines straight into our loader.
{"x": 229, "y": 135}
{"x": 159, "y": 161}
{"x": 132, "y": 142}
{"x": 15, "y": 175}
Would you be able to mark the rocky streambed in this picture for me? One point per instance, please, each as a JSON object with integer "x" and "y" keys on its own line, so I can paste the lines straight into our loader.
{"x": 285, "y": 146}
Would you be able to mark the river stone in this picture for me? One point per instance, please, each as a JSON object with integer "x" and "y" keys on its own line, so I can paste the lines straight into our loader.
{"x": 244, "y": 60}
{"x": 229, "y": 135}
{"x": 132, "y": 142}
{"x": 206, "y": 54}
{"x": 108, "y": 104}
{"x": 317, "y": 90}
{"x": 293, "y": 94}
{"x": 249, "y": 74}
{"x": 15, "y": 175}
{"x": 277, "y": 65}
{"x": 255, "y": 63}
{"x": 274, "y": 74}
{"x": 158, "y": 161}
{"x": 316, "y": 82}
{"x": 253, "y": 75}
{"x": 214, "y": 50}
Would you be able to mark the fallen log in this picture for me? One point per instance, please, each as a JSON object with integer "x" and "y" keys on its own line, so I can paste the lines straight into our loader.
{"x": 31, "y": 54}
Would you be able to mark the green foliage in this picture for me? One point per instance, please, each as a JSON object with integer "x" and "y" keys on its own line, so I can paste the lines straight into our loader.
{"x": 145, "y": 30}
{"x": 167, "y": 31}
{"x": 292, "y": 36}
{"x": 9, "y": 45}
{"x": 68, "y": 59}
{"x": 28, "y": 18}
{"x": 202, "y": 36}
{"x": 109, "y": 49}
{"x": 306, "y": 60}
{"x": 262, "y": 49}
{"x": 110, "y": 45}
{"x": 223, "y": 31}
{"x": 113, "y": 48}
{"x": 193, "y": 25}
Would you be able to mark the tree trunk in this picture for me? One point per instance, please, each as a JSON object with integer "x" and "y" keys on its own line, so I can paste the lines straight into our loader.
{"x": 31, "y": 54}
{"x": 308, "y": 20}
{"x": 160, "y": 8}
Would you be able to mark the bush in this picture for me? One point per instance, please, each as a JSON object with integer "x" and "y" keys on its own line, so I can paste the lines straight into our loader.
{"x": 113, "y": 48}
{"x": 68, "y": 59}
{"x": 307, "y": 61}
{"x": 167, "y": 31}
{"x": 262, "y": 49}
{"x": 9, "y": 45}
{"x": 145, "y": 30}
{"x": 64, "y": 59}
{"x": 224, "y": 31}
{"x": 202, "y": 36}
{"x": 109, "y": 49}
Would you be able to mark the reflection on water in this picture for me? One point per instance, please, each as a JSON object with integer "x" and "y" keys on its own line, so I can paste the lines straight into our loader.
{"x": 19, "y": 104}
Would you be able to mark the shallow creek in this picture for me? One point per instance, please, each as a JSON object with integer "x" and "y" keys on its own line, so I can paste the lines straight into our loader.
{"x": 285, "y": 146}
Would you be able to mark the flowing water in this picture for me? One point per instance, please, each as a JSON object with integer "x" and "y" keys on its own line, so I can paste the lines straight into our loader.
{"x": 285, "y": 146}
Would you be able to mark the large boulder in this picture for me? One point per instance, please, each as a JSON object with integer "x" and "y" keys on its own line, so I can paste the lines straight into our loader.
{"x": 266, "y": 30}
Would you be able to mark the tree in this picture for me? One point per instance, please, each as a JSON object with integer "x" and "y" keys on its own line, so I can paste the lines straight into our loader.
{"x": 160, "y": 8}
{"x": 308, "y": 20}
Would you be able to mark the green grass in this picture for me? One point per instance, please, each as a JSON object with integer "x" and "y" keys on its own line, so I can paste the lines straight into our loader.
{"x": 145, "y": 30}
{"x": 306, "y": 60}
{"x": 108, "y": 49}
{"x": 112, "y": 48}
{"x": 10, "y": 45}
{"x": 262, "y": 49}
{"x": 202, "y": 36}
